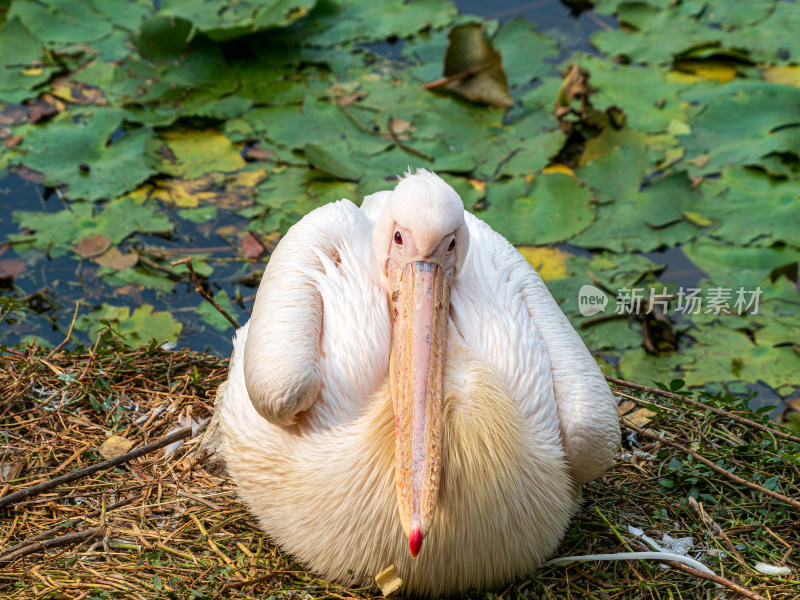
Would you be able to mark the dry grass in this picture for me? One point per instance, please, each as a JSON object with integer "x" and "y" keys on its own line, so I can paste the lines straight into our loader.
{"x": 164, "y": 525}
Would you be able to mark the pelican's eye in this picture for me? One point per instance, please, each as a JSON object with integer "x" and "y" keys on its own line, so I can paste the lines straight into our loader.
{"x": 398, "y": 239}
{"x": 452, "y": 245}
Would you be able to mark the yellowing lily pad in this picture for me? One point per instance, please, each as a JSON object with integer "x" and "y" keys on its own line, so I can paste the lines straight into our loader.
{"x": 197, "y": 152}
{"x": 550, "y": 263}
{"x": 783, "y": 75}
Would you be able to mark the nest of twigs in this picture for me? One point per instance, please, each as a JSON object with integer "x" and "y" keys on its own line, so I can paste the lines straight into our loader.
{"x": 163, "y": 524}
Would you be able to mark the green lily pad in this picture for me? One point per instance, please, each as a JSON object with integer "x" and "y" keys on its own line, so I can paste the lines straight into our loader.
{"x": 753, "y": 120}
{"x": 62, "y": 22}
{"x": 645, "y": 221}
{"x": 554, "y": 209}
{"x": 331, "y": 160}
{"x": 524, "y": 51}
{"x": 619, "y": 173}
{"x": 74, "y": 150}
{"x": 739, "y": 221}
{"x": 721, "y": 355}
{"x": 638, "y": 366}
{"x": 650, "y": 101}
{"x": 719, "y": 259}
{"x": 137, "y": 328}
{"x": 22, "y": 62}
{"x": 222, "y": 20}
{"x": 213, "y": 317}
{"x": 59, "y": 232}
{"x": 333, "y": 22}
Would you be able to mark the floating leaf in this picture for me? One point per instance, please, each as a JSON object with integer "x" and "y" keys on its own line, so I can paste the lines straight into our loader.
{"x": 332, "y": 160}
{"x": 754, "y": 207}
{"x": 338, "y": 21}
{"x": 721, "y": 355}
{"x": 644, "y": 221}
{"x": 212, "y": 316}
{"x": 767, "y": 118}
{"x": 555, "y": 208}
{"x": 550, "y": 263}
{"x": 221, "y": 20}
{"x": 12, "y": 267}
{"x": 782, "y": 75}
{"x": 92, "y": 168}
{"x": 89, "y": 247}
{"x": 117, "y": 260}
{"x": 19, "y": 50}
{"x": 59, "y": 232}
{"x": 524, "y": 51}
{"x": 62, "y": 22}
{"x": 137, "y": 328}
{"x": 649, "y": 100}
{"x": 200, "y": 152}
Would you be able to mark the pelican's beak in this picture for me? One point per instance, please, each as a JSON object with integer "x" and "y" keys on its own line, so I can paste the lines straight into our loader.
{"x": 420, "y": 302}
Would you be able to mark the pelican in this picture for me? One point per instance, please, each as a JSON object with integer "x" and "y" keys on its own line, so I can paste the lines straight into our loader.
{"x": 407, "y": 392}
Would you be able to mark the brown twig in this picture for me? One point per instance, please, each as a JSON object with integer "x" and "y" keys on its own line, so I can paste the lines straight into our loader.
{"x": 432, "y": 85}
{"x": 86, "y": 471}
{"x": 91, "y": 356}
{"x": 405, "y": 146}
{"x": 714, "y": 527}
{"x": 69, "y": 333}
{"x": 734, "y": 587}
{"x": 46, "y": 534}
{"x": 356, "y": 121}
{"x": 240, "y": 584}
{"x": 712, "y": 466}
{"x": 698, "y": 404}
{"x": 201, "y": 291}
{"x": 62, "y": 540}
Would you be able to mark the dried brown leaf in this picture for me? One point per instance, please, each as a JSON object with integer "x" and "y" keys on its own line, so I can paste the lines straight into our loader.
{"x": 12, "y": 267}
{"x": 251, "y": 248}
{"x": 117, "y": 260}
{"x": 473, "y": 69}
{"x": 89, "y": 247}
{"x": 115, "y": 446}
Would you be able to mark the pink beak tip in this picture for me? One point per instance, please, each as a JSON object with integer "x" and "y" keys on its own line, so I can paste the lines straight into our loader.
{"x": 415, "y": 541}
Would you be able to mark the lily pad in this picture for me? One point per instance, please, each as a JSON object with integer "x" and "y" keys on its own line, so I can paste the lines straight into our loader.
{"x": 646, "y": 221}
{"x": 766, "y": 118}
{"x": 554, "y": 209}
{"x": 333, "y": 22}
{"x": 22, "y": 62}
{"x": 740, "y": 222}
{"x": 137, "y": 327}
{"x": 526, "y": 53}
{"x": 193, "y": 153}
{"x": 62, "y": 22}
{"x": 58, "y": 232}
{"x": 329, "y": 159}
{"x": 213, "y": 317}
{"x": 222, "y": 20}
{"x": 75, "y": 150}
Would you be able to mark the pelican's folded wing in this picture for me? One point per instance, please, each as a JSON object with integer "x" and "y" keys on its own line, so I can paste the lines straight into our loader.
{"x": 283, "y": 366}
{"x": 585, "y": 406}
{"x": 587, "y": 410}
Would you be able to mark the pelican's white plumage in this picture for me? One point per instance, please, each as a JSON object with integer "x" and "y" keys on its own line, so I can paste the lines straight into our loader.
{"x": 307, "y": 417}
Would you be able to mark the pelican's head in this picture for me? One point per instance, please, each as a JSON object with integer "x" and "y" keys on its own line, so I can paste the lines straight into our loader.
{"x": 420, "y": 242}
